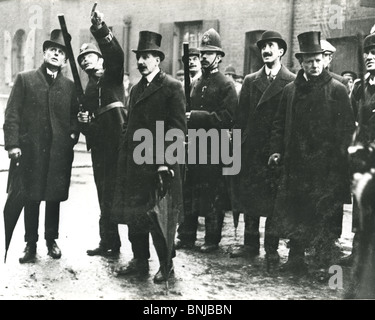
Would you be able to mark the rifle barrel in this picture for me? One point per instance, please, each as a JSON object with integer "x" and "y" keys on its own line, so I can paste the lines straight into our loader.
{"x": 186, "y": 75}
{"x": 70, "y": 56}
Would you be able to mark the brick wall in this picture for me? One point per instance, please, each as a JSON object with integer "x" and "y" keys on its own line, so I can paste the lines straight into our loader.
{"x": 236, "y": 18}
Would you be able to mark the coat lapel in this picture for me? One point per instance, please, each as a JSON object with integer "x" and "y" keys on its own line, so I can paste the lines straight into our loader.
{"x": 275, "y": 87}
{"x": 154, "y": 86}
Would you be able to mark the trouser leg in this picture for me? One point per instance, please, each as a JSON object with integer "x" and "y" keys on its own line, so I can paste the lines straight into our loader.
{"x": 108, "y": 230}
{"x": 138, "y": 234}
{"x": 31, "y": 220}
{"x": 252, "y": 235}
{"x": 271, "y": 241}
{"x": 52, "y": 219}
{"x": 214, "y": 224}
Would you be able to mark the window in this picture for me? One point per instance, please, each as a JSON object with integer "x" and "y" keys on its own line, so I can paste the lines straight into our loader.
{"x": 253, "y": 58}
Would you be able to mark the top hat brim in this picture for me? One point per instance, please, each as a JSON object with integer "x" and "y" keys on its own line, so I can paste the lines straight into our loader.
{"x": 49, "y": 44}
{"x": 278, "y": 40}
{"x": 298, "y": 54}
{"x": 212, "y": 49}
{"x": 159, "y": 52}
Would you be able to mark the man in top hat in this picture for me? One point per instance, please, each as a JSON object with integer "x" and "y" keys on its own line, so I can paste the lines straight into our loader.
{"x": 311, "y": 133}
{"x": 230, "y": 72}
{"x": 40, "y": 131}
{"x": 102, "y": 123}
{"x": 257, "y": 182}
{"x": 213, "y": 101}
{"x": 195, "y": 68}
{"x": 328, "y": 53}
{"x": 157, "y": 103}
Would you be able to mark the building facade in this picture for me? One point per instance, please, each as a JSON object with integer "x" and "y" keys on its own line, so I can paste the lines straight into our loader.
{"x": 25, "y": 24}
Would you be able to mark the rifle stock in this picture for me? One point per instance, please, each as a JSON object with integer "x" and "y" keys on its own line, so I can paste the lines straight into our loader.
{"x": 70, "y": 56}
{"x": 186, "y": 75}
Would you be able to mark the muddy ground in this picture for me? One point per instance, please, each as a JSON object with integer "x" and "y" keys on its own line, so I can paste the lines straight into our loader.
{"x": 198, "y": 276}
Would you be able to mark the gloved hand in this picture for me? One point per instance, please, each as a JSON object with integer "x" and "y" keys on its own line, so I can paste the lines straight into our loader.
{"x": 274, "y": 159}
{"x": 164, "y": 180}
{"x": 14, "y": 153}
{"x": 97, "y": 18}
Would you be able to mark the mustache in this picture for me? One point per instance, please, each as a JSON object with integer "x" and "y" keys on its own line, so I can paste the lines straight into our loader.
{"x": 141, "y": 66}
{"x": 267, "y": 54}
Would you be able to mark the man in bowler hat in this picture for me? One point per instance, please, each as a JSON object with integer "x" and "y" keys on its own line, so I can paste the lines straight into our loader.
{"x": 195, "y": 68}
{"x": 157, "y": 99}
{"x": 257, "y": 182}
{"x": 312, "y": 130}
{"x": 40, "y": 131}
{"x": 213, "y": 101}
{"x": 102, "y": 123}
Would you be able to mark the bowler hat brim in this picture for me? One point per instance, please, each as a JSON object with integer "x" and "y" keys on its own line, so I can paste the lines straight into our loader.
{"x": 280, "y": 41}
{"x": 49, "y": 44}
{"x": 158, "y": 52}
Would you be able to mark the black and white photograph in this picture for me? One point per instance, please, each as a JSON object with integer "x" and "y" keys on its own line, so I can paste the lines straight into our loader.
{"x": 202, "y": 152}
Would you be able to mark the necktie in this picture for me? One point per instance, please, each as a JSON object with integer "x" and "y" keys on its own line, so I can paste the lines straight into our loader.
{"x": 144, "y": 84}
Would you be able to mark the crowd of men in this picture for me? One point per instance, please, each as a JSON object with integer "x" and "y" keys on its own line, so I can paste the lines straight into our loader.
{"x": 295, "y": 133}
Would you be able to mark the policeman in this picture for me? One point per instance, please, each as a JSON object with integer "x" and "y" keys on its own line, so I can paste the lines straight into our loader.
{"x": 213, "y": 101}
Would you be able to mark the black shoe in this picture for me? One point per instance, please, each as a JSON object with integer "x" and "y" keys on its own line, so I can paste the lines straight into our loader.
{"x": 29, "y": 253}
{"x": 53, "y": 249}
{"x": 159, "y": 277}
{"x": 138, "y": 267}
{"x": 100, "y": 251}
{"x": 245, "y": 251}
{"x": 184, "y": 245}
{"x": 206, "y": 248}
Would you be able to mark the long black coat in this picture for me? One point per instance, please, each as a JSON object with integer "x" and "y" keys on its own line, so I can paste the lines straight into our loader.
{"x": 39, "y": 119}
{"x": 213, "y": 102}
{"x": 163, "y": 101}
{"x": 104, "y": 132}
{"x": 312, "y": 131}
{"x": 256, "y": 183}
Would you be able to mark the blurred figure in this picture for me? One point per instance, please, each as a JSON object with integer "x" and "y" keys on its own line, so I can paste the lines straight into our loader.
{"x": 180, "y": 75}
{"x": 127, "y": 87}
{"x": 351, "y": 77}
{"x": 230, "y": 72}
{"x": 328, "y": 53}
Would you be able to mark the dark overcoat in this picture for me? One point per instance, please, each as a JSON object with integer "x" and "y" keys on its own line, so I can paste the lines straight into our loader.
{"x": 256, "y": 183}
{"x": 213, "y": 102}
{"x": 162, "y": 101}
{"x": 39, "y": 119}
{"x": 312, "y": 131}
{"x": 104, "y": 131}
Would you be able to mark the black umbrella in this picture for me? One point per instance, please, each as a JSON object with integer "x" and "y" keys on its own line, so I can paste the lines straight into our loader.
{"x": 14, "y": 203}
{"x": 165, "y": 221}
